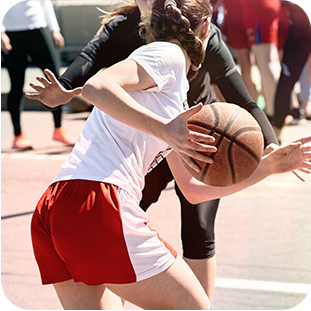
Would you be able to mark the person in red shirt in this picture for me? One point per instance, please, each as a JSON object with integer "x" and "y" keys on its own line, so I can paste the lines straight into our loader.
{"x": 251, "y": 27}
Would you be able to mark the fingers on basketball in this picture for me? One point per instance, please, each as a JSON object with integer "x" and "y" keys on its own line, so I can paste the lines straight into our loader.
{"x": 238, "y": 139}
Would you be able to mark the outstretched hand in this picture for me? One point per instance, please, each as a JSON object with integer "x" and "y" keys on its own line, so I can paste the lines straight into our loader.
{"x": 292, "y": 157}
{"x": 189, "y": 144}
{"x": 52, "y": 93}
{"x": 296, "y": 172}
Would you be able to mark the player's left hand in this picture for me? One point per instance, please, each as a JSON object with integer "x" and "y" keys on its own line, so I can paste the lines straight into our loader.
{"x": 296, "y": 172}
{"x": 295, "y": 156}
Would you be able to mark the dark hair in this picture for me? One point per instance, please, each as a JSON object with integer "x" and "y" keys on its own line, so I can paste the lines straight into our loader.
{"x": 177, "y": 22}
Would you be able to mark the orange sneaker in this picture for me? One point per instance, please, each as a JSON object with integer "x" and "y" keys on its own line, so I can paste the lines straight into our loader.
{"x": 62, "y": 136}
{"x": 20, "y": 142}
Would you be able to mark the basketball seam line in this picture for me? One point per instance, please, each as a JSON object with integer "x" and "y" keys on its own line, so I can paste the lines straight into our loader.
{"x": 249, "y": 129}
{"x": 212, "y": 131}
{"x": 223, "y": 135}
{"x": 231, "y": 138}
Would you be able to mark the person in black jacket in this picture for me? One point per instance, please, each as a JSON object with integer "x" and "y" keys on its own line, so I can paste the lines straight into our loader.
{"x": 117, "y": 38}
{"x": 29, "y": 34}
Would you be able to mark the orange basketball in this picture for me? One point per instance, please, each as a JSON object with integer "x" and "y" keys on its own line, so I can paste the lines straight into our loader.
{"x": 239, "y": 143}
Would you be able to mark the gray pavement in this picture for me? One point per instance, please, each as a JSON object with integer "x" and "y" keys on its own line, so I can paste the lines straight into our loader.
{"x": 263, "y": 233}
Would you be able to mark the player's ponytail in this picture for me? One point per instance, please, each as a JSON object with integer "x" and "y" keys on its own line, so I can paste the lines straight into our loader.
{"x": 176, "y": 19}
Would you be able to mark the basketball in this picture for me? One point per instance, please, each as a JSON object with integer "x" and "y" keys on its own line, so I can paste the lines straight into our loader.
{"x": 238, "y": 139}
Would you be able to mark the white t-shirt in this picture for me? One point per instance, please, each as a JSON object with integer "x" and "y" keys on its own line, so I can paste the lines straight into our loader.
{"x": 112, "y": 152}
{"x": 29, "y": 15}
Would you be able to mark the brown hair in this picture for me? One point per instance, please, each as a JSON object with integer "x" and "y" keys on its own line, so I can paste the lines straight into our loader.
{"x": 178, "y": 22}
{"x": 122, "y": 10}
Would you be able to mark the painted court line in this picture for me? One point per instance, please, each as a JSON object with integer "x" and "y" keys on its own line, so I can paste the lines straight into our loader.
{"x": 297, "y": 288}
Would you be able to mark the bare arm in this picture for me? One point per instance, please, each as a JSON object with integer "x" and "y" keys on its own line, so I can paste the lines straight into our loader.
{"x": 295, "y": 155}
{"x": 5, "y": 43}
{"x": 107, "y": 90}
{"x": 58, "y": 39}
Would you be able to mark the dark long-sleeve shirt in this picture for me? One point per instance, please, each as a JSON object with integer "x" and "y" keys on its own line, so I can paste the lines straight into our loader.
{"x": 119, "y": 38}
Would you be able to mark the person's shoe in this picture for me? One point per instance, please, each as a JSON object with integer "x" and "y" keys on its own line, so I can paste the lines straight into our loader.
{"x": 290, "y": 120}
{"x": 20, "y": 142}
{"x": 307, "y": 113}
{"x": 62, "y": 136}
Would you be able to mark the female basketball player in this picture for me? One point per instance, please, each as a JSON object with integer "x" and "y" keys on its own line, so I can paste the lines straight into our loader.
{"x": 88, "y": 230}
{"x": 120, "y": 28}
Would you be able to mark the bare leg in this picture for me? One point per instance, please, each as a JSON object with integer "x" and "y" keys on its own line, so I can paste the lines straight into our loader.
{"x": 218, "y": 93}
{"x": 278, "y": 132}
{"x": 175, "y": 288}
{"x": 308, "y": 63}
{"x": 268, "y": 62}
{"x": 205, "y": 271}
{"x": 306, "y": 103}
{"x": 78, "y": 296}
{"x": 245, "y": 62}
{"x": 111, "y": 301}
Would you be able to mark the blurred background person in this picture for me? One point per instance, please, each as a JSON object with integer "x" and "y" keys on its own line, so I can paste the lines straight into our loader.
{"x": 304, "y": 95}
{"x": 251, "y": 28}
{"x": 296, "y": 51}
{"x": 300, "y": 97}
{"x": 234, "y": 29}
{"x": 26, "y": 33}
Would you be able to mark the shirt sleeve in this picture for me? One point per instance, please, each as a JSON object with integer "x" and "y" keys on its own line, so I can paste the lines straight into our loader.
{"x": 114, "y": 43}
{"x": 163, "y": 61}
{"x": 218, "y": 60}
{"x": 223, "y": 72}
{"x": 234, "y": 91}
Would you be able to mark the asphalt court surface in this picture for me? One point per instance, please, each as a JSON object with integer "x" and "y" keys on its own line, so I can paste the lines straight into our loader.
{"x": 262, "y": 234}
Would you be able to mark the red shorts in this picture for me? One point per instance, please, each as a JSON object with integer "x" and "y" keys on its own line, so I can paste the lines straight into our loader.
{"x": 261, "y": 19}
{"x": 95, "y": 233}
{"x": 234, "y": 27}
{"x": 249, "y": 22}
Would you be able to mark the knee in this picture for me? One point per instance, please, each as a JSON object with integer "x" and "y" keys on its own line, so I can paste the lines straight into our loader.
{"x": 198, "y": 249}
{"x": 197, "y": 230}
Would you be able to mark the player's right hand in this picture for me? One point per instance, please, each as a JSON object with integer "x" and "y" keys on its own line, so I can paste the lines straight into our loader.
{"x": 189, "y": 144}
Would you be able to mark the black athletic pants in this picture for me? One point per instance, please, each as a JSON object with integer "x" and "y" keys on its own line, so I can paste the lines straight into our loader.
{"x": 35, "y": 44}
{"x": 197, "y": 221}
{"x": 294, "y": 58}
